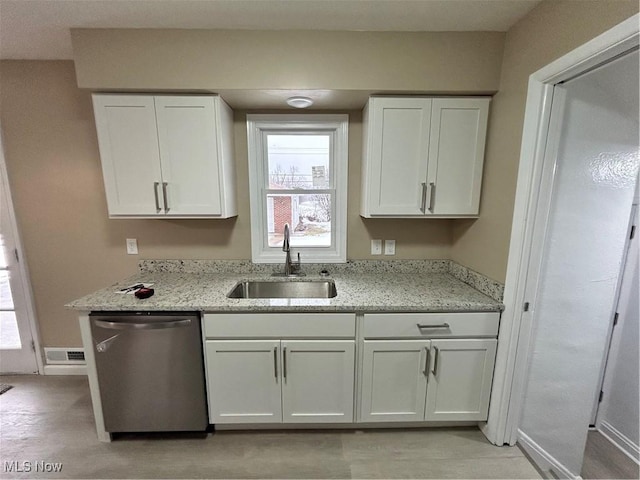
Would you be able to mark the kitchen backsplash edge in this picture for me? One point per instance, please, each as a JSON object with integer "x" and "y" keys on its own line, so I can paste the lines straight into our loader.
{"x": 489, "y": 287}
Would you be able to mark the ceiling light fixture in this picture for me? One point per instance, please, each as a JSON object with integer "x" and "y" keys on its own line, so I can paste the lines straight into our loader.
{"x": 299, "y": 102}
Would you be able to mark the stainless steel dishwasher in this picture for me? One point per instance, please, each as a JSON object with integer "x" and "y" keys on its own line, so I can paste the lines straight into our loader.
{"x": 150, "y": 371}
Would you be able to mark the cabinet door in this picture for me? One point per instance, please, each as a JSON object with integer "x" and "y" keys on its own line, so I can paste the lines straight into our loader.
{"x": 189, "y": 155}
{"x": 128, "y": 142}
{"x": 318, "y": 381}
{"x": 460, "y": 376}
{"x": 456, "y": 155}
{"x": 394, "y": 380}
{"x": 243, "y": 381}
{"x": 396, "y": 155}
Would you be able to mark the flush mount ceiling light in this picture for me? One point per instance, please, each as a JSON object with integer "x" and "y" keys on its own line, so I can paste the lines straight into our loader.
{"x": 299, "y": 102}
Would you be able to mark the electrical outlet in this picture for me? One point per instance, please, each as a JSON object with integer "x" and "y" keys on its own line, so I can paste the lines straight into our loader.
{"x": 389, "y": 247}
{"x": 132, "y": 246}
{"x": 376, "y": 247}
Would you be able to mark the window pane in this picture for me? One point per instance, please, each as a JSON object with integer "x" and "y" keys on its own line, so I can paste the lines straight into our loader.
{"x": 6, "y": 299}
{"x": 9, "y": 334}
{"x": 3, "y": 259}
{"x": 308, "y": 216}
{"x": 298, "y": 161}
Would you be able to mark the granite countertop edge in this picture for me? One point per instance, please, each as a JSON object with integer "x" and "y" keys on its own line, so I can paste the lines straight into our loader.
{"x": 359, "y": 293}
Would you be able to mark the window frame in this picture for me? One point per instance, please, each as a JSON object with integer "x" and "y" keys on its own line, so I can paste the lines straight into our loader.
{"x": 258, "y": 127}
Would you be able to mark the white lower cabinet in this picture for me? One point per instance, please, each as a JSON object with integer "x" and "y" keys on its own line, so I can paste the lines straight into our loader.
{"x": 243, "y": 381}
{"x": 427, "y": 378}
{"x": 460, "y": 377}
{"x": 393, "y": 380}
{"x": 276, "y": 381}
{"x": 301, "y": 368}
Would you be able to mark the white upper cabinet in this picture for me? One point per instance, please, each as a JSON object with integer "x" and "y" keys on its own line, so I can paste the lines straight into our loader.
{"x": 166, "y": 156}
{"x": 423, "y": 157}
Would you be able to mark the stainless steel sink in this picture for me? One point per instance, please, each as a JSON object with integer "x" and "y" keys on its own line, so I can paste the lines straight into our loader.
{"x": 284, "y": 289}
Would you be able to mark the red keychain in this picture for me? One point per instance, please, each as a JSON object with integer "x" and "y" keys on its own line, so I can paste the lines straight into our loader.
{"x": 144, "y": 292}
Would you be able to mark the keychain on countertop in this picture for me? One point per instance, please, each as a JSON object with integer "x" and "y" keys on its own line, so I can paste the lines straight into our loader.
{"x": 144, "y": 292}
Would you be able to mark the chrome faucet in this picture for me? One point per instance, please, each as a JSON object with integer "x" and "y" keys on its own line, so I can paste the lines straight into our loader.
{"x": 290, "y": 268}
{"x": 286, "y": 248}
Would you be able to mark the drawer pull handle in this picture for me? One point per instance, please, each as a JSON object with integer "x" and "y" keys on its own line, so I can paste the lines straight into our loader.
{"x": 441, "y": 325}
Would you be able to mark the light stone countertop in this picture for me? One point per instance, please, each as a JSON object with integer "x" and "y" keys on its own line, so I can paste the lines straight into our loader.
{"x": 357, "y": 292}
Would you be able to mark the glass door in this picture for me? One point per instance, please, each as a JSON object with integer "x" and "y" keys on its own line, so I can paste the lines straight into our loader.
{"x": 17, "y": 353}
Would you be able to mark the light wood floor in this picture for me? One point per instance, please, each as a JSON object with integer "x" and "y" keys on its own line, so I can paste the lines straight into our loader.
{"x": 45, "y": 418}
{"x": 604, "y": 460}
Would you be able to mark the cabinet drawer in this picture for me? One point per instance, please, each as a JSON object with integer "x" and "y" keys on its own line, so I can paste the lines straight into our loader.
{"x": 279, "y": 325}
{"x": 434, "y": 325}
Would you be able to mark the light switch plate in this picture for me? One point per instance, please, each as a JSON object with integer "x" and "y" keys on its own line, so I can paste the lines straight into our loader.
{"x": 132, "y": 246}
{"x": 376, "y": 247}
{"x": 389, "y": 247}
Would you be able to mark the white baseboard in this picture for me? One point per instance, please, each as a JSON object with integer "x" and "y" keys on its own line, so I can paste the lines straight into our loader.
{"x": 340, "y": 426}
{"x": 546, "y": 463}
{"x": 65, "y": 369}
{"x": 620, "y": 440}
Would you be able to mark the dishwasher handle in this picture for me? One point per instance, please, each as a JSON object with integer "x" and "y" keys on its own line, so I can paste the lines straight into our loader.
{"x": 142, "y": 326}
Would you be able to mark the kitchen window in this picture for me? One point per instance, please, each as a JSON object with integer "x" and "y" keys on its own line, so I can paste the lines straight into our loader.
{"x": 298, "y": 176}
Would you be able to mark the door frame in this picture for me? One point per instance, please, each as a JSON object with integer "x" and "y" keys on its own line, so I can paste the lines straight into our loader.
{"x": 516, "y": 325}
{"x": 29, "y": 305}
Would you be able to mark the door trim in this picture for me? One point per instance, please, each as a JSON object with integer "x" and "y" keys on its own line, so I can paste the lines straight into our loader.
{"x": 515, "y": 327}
{"x": 25, "y": 281}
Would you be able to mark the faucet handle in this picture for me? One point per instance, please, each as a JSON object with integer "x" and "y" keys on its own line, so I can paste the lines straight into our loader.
{"x": 298, "y": 267}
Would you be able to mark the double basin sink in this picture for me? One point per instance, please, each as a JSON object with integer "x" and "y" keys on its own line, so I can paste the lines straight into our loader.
{"x": 284, "y": 289}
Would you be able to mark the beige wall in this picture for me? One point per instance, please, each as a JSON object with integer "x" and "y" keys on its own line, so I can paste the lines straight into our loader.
{"x": 72, "y": 248}
{"x": 550, "y": 30}
{"x": 248, "y": 59}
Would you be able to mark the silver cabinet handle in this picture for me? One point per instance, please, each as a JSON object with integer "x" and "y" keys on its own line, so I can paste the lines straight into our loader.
{"x": 432, "y": 196}
{"x": 435, "y": 361}
{"x": 423, "y": 205}
{"x": 440, "y": 325}
{"x": 164, "y": 197}
{"x": 155, "y": 192}
{"x": 275, "y": 362}
{"x": 284, "y": 363}
{"x": 142, "y": 326}
{"x": 426, "y": 362}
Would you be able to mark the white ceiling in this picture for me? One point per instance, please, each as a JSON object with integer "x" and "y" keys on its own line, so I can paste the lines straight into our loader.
{"x": 39, "y": 29}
